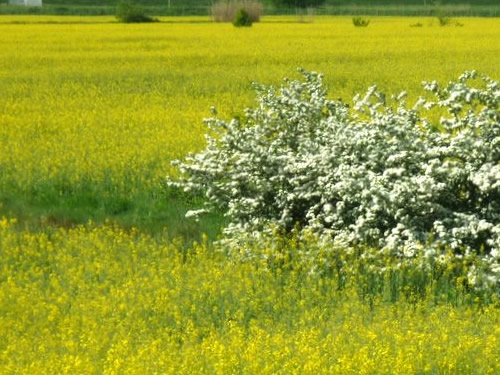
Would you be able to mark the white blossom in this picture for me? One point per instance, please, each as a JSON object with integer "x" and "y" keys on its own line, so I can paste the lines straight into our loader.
{"x": 374, "y": 173}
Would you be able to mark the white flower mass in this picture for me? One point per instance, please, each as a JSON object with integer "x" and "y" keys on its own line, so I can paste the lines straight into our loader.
{"x": 378, "y": 173}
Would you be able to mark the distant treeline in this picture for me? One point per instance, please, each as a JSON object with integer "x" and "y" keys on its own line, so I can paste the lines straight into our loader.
{"x": 489, "y": 8}
{"x": 206, "y": 3}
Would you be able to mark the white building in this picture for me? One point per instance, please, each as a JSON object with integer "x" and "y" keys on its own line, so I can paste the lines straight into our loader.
{"x": 26, "y": 3}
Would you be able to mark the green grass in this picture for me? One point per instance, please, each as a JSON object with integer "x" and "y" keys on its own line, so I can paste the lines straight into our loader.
{"x": 151, "y": 212}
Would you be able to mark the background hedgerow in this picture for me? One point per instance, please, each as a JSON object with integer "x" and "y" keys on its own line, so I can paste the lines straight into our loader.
{"x": 379, "y": 173}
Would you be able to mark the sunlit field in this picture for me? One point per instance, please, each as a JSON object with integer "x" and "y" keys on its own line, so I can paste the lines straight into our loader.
{"x": 98, "y": 300}
{"x": 109, "y": 105}
{"x": 98, "y": 270}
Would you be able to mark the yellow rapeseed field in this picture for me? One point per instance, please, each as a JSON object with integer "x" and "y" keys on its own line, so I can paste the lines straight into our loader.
{"x": 98, "y": 300}
{"x": 111, "y": 102}
{"x": 90, "y": 104}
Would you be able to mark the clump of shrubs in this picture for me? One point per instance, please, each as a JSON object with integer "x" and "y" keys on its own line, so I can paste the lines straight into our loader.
{"x": 129, "y": 12}
{"x": 444, "y": 20}
{"x": 226, "y": 11}
{"x": 448, "y": 21}
{"x": 360, "y": 22}
{"x": 242, "y": 19}
{"x": 378, "y": 174}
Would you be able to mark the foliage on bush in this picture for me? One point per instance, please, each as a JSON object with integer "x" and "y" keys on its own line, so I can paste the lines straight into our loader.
{"x": 360, "y": 21}
{"x": 379, "y": 174}
{"x": 129, "y": 12}
{"x": 242, "y": 19}
{"x": 226, "y": 11}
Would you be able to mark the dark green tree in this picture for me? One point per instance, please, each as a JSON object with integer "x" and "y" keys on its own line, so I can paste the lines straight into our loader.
{"x": 130, "y": 12}
{"x": 242, "y": 19}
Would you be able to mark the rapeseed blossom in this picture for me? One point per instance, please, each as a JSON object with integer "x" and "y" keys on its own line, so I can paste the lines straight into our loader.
{"x": 100, "y": 300}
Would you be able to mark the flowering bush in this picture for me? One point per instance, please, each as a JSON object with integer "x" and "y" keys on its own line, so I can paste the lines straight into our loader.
{"x": 378, "y": 173}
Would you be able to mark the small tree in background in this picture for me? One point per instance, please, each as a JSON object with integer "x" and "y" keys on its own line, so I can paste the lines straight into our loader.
{"x": 360, "y": 22}
{"x": 242, "y": 19}
{"x": 129, "y": 12}
{"x": 226, "y": 11}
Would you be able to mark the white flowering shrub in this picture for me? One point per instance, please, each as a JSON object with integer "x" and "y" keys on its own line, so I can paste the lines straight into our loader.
{"x": 379, "y": 173}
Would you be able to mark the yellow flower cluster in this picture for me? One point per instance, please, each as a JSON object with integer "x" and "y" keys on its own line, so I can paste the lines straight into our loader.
{"x": 98, "y": 300}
